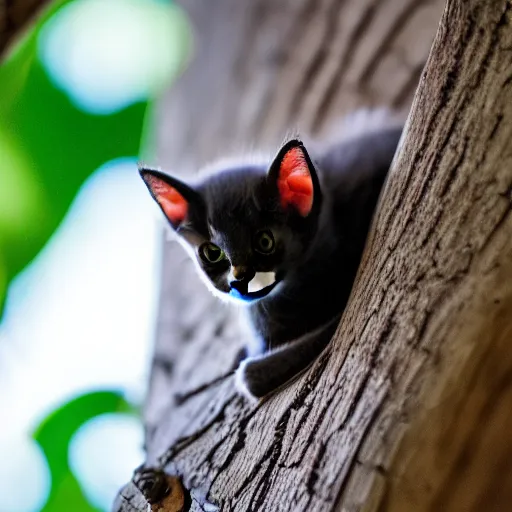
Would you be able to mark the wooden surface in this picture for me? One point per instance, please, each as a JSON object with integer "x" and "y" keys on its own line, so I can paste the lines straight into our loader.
{"x": 410, "y": 408}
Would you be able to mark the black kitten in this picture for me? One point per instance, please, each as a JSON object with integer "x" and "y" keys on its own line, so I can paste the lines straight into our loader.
{"x": 284, "y": 239}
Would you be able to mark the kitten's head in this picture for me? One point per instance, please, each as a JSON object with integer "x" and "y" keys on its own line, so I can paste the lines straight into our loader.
{"x": 249, "y": 227}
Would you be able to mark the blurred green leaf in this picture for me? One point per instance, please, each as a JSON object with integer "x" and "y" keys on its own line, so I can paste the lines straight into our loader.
{"x": 54, "y": 435}
{"x": 16, "y": 63}
{"x": 48, "y": 147}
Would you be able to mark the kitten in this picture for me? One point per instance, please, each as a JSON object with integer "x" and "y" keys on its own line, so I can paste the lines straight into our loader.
{"x": 285, "y": 239}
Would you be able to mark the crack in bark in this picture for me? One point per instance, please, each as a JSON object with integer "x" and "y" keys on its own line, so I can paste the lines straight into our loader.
{"x": 453, "y": 172}
{"x": 183, "y": 442}
{"x": 274, "y": 450}
{"x": 445, "y": 95}
{"x": 495, "y": 128}
{"x": 237, "y": 447}
{"x": 181, "y": 398}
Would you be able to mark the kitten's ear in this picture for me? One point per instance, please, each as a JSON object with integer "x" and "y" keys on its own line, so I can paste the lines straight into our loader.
{"x": 173, "y": 196}
{"x": 294, "y": 175}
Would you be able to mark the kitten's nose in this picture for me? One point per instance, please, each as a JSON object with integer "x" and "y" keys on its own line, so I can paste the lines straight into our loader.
{"x": 242, "y": 277}
{"x": 242, "y": 273}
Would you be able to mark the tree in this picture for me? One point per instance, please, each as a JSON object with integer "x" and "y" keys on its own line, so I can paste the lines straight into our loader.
{"x": 14, "y": 16}
{"x": 409, "y": 408}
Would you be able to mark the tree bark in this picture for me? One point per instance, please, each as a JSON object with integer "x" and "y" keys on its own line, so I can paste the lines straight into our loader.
{"x": 409, "y": 409}
{"x": 14, "y": 17}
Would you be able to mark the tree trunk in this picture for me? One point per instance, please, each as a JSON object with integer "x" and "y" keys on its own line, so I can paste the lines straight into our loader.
{"x": 14, "y": 17}
{"x": 409, "y": 409}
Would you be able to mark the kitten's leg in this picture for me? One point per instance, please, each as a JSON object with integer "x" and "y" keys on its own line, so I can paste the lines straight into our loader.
{"x": 258, "y": 376}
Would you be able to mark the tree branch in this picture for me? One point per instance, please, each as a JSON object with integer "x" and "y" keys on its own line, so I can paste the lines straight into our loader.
{"x": 409, "y": 409}
{"x": 14, "y": 17}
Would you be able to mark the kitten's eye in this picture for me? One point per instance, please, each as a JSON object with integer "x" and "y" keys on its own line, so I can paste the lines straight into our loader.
{"x": 264, "y": 242}
{"x": 211, "y": 253}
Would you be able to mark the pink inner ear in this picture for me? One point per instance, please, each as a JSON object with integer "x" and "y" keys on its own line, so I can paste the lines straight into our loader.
{"x": 174, "y": 205}
{"x": 294, "y": 183}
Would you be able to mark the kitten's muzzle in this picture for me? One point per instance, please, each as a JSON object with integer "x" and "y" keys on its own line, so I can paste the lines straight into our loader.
{"x": 243, "y": 276}
{"x": 240, "y": 286}
{"x": 243, "y": 273}
{"x": 251, "y": 285}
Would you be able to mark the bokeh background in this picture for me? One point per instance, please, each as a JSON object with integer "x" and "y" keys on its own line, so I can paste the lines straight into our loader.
{"x": 79, "y": 246}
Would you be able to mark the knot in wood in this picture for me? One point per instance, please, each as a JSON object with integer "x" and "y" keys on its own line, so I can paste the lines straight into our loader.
{"x": 152, "y": 483}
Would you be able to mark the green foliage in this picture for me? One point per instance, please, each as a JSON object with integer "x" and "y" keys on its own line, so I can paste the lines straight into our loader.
{"x": 48, "y": 148}
{"x": 54, "y": 435}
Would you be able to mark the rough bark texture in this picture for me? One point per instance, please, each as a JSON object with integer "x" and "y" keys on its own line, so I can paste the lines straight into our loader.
{"x": 409, "y": 409}
{"x": 14, "y": 17}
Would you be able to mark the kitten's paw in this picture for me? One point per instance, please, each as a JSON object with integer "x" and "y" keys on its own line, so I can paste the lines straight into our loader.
{"x": 243, "y": 382}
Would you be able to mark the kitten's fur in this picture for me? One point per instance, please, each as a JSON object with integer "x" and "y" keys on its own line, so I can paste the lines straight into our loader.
{"x": 318, "y": 233}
